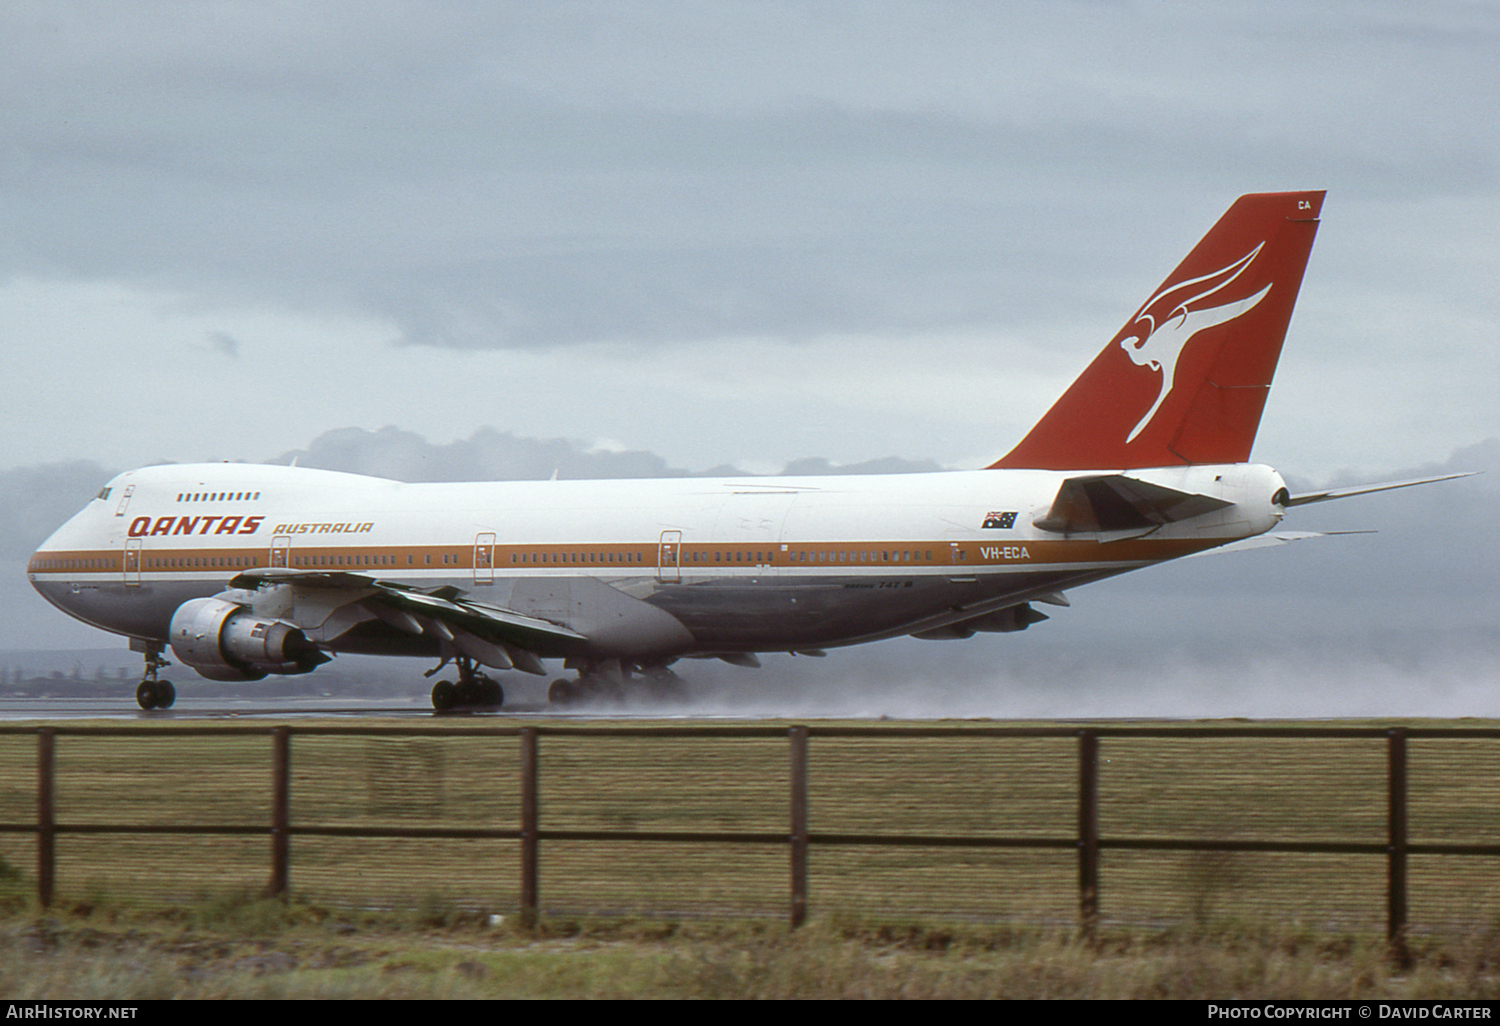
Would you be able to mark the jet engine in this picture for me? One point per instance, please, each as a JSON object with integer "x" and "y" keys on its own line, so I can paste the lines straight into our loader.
{"x": 225, "y": 641}
{"x": 1001, "y": 621}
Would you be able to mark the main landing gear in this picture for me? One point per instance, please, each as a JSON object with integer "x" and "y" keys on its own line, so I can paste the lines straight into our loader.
{"x": 473, "y": 690}
{"x": 152, "y": 693}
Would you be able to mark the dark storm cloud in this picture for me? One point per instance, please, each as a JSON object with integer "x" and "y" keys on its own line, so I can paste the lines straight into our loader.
{"x": 508, "y": 175}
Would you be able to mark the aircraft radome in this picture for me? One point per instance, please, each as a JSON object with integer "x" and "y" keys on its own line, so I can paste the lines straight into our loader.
{"x": 247, "y": 570}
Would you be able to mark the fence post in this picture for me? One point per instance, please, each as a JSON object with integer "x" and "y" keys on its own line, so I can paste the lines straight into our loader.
{"x": 798, "y": 739}
{"x": 1396, "y": 834}
{"x": 1088, "y": 830}
{"x": 281, "y": 813}
{"x": 529, "y": 828}
{"x": 46, "y": 854}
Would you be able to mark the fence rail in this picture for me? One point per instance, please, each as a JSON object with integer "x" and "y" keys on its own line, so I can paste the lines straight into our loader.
{"x": 1142, "y": 790}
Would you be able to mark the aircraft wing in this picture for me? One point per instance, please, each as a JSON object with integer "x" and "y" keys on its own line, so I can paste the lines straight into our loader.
{"x": 1122, "y": 505}
{"x": 489, "y": 634}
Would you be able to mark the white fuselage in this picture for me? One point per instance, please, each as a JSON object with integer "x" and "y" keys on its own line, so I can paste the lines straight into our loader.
{"x": 643, "y": 569}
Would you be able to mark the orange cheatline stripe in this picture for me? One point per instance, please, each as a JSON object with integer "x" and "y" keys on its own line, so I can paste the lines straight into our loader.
{"x": 690, "y": 556}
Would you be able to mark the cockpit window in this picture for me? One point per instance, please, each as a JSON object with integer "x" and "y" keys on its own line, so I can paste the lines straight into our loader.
{"x": 103, "y": 492}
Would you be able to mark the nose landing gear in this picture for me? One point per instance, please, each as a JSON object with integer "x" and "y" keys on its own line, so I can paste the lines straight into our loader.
{"x": 153, "y": 693}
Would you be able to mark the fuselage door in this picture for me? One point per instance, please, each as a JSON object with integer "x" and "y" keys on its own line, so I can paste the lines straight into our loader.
{"x": 132, "y": 563}
{"x": 125, "y": 501}
{"x": 669, "y": 558}
{"x": 484, "y": 558}
{"x": 281, "y": 550}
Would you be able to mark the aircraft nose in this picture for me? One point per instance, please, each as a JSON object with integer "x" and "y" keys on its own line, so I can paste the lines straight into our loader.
{"x": 49, "y": 585}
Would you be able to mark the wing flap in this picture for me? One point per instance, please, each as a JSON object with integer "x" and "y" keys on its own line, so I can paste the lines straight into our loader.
{"x": 252, "y": 579}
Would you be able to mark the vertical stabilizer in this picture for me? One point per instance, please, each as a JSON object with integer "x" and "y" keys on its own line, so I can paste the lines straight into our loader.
{"x": 1187, "y": 377}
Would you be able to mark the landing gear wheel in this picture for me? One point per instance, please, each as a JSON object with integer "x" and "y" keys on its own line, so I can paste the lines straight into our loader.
{"x": 152, "y": 693}
{"x": 561, "y": 692}
{"x": 472, "y": 690}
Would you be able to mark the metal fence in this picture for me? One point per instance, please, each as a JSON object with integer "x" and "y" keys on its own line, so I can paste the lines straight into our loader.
{"x": 1342, "y": 827}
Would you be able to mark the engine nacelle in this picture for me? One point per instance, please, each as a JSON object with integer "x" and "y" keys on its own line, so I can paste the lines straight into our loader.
{"x": 224, "y": 641}
{"x": 1001, "y": 621}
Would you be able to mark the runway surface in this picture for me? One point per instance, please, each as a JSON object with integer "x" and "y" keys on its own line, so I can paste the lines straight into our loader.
{"x": 20, "y": 710}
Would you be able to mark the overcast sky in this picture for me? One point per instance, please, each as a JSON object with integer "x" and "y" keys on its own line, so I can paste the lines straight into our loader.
{"x": 472, "y": 239}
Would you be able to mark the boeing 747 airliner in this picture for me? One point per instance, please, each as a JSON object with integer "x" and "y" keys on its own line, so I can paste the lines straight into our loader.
{"x": 249, "y": 570}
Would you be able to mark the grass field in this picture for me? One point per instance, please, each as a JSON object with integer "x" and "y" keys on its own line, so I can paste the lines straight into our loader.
{"x": 1212, "y": 789}
{"x": 244, "y": 948}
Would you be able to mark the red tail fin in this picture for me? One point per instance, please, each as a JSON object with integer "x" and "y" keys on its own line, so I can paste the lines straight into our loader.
{"x": 1187, "y": 377}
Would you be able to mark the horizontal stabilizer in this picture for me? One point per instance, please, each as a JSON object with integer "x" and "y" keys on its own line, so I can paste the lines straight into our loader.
{"x": 1385, "y": 486}
{"x": 1114, "y": 502}
{"x": 1262, "y": 541}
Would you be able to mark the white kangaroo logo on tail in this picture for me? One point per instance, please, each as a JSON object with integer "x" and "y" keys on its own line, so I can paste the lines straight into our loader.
{"x": 1159, "y": 346}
